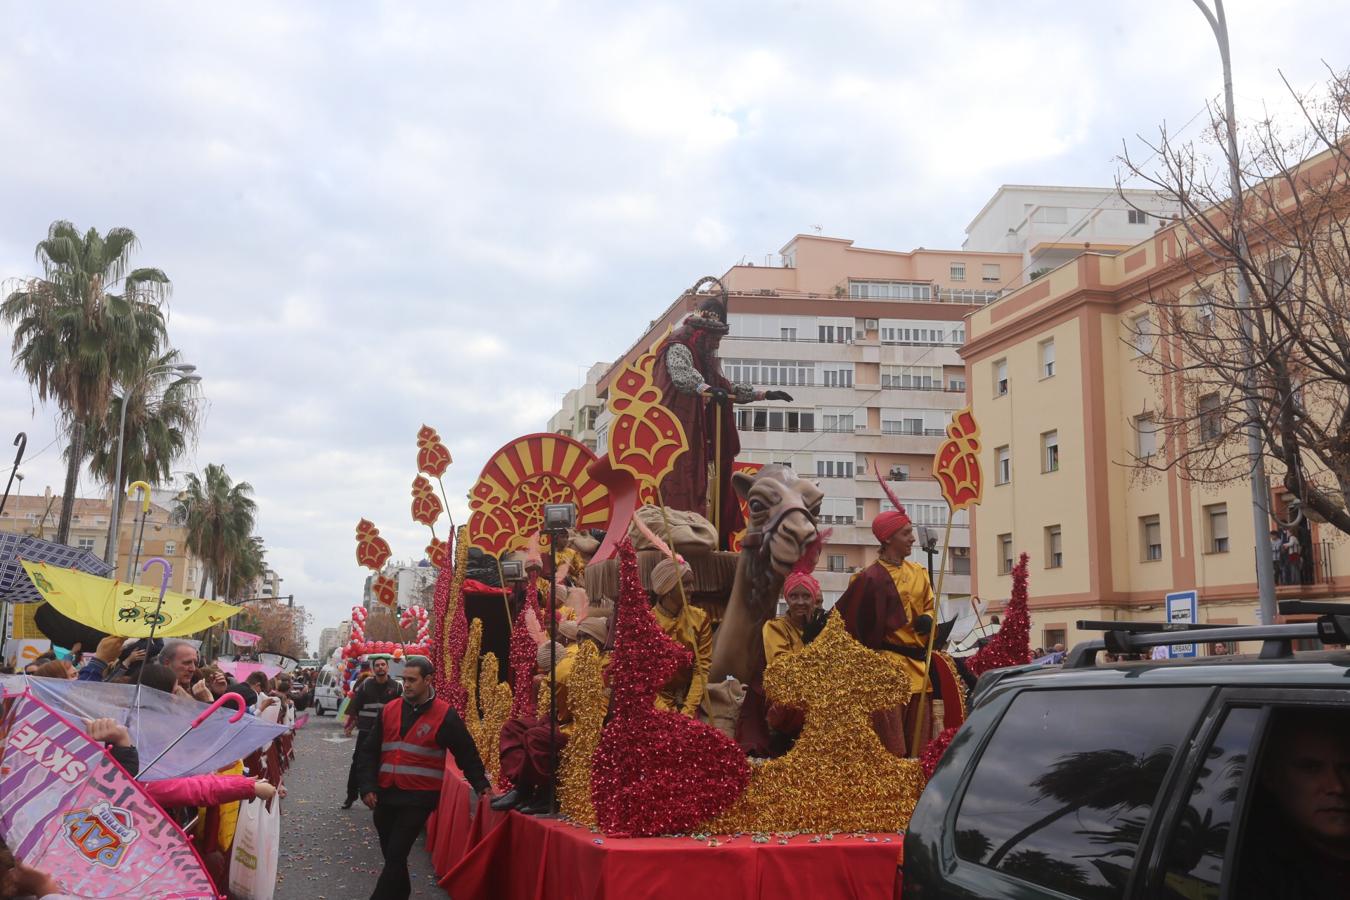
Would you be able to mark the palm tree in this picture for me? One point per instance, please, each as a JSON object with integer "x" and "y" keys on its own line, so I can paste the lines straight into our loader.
{"x": 161, "y": 422}
{"x": 74, "y": 338}
{"x": 219, "y": 516}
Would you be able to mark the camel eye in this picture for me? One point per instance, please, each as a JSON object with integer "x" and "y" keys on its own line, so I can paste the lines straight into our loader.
{"x": 757, "y": 505}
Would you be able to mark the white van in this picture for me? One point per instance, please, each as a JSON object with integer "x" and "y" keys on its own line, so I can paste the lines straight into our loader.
{"x": 328, "y": 691}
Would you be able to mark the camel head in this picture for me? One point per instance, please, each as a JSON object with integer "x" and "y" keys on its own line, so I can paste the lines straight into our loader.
{"x": 784, "y": 509}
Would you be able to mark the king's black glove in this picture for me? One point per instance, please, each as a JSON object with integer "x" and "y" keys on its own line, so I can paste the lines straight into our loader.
{"x": 778, "y": 395}
{"x": 719, "y": 395}
{"x": 923, "y": 624}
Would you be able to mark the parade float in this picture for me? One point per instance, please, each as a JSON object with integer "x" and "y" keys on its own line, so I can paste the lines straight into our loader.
{"x": 652, "y": 802}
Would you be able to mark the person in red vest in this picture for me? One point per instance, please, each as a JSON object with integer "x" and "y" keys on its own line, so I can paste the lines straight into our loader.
{"x": 402, "y": 766}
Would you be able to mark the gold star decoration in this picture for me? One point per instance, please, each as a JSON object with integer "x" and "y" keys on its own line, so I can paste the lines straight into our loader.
{"x": 838, "y": 776}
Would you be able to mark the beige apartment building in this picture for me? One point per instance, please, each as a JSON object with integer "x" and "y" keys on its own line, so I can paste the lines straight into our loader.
{"x": 1055, "y": 380}
{"x": 581, "y": 408}
{"x": 39, "y": 515}
{"x": 866, "y": 341}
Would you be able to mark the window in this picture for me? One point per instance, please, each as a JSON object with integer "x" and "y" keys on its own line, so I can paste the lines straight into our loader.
{"x": 835, "y": 334}
{"x": 1005, "y": 556}
{"x": 958, "y": 272}
{"x": 837, "y": 510}
{"x": 990, "y": 272}
{"x": 1150, "y": 538}
{"x": 956, "y": 384}
{"x": 1138, "y": 217}
{"x": 789, "y": 420}
{"x": 1211, "y": 423}
{"x": 858, "y": 510}
{"x": 1216, "y": 524}
{"x": 899, "y": 472}
{"x": 1190, "y": 858}
{"x": 85, "y": 543}
{"x": 1142, "y": 335}
{"x": 1048, "y": 358}
{"x": 1204, "y": 312}
{"x": 1051, "y": 215}
{"x": 170, "y": 548}
{"x": 1002, "y": 465}
{"x": 836, "y": 375}
{"x": 787, "y": 334}
{"x": 835, "y": 562}
{"x": 1146, "y": 436}
{"x": 1054, "y": 636}
{"x": 889, "y": 290}
{"x": 770, "y": 372}
{"x": 1050, "y": 451}
{"x": 1000, "y": 378}
{"x": 836, "y": 420}
{"x": 1054, "y": 547}
{"x": 918, "y": 378}
{"x": 931, "y": 422}
{"x": 1071, "y": 779}
{"x": 833, "y": 467}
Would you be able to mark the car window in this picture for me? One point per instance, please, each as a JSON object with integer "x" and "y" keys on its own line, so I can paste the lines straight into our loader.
{"x": 1061, "y": 794}
{"x": 1196, "y": 846}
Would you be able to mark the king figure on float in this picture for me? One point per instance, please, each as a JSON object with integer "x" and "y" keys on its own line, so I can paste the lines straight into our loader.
{"x": 701, "y": 397}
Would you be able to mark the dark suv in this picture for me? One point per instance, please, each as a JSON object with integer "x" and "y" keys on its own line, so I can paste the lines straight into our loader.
{"x": 1142, "y": 779}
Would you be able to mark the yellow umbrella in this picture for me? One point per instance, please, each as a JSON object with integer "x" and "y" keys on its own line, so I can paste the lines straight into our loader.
{"x": 126, "y": 610}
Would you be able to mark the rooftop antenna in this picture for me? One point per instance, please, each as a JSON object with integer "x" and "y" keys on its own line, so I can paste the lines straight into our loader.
{"x": 818, "y": 228}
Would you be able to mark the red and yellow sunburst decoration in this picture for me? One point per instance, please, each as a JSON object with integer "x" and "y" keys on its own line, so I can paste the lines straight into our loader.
{"x": 645, "y": 438}
{"x": 734, "y": 544}
{"x": 507, "y": 501}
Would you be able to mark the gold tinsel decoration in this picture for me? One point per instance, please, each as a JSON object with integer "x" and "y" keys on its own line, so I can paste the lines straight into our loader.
{"x": 588, "y": 703}
{"x": 495, "y": 698}
{"x": 468, "y": 676}
{"x": 838, "y": 776}
{"x": 544, "y": 705}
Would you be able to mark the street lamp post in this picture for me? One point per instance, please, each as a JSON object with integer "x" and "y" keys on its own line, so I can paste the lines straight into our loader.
{"x": 1265, "y": 566}
{"x": 110, "y": 550}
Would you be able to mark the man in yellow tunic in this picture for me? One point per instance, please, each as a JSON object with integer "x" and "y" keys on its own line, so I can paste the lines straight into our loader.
{"x": 672, "y": 582}
{"x": 889, "y": 607}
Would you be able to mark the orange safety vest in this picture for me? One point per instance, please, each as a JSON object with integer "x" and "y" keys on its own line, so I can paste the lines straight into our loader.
{"x": 412, "y": 762}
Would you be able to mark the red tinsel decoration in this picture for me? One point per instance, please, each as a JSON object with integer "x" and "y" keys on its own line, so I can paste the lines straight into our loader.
{"x": 524, "y": 658}
{"x": 656, "y": 771}
{"x": 936, "y": 747}
{"x": 450, "y": 635}
{"x": 1011, "y": 646}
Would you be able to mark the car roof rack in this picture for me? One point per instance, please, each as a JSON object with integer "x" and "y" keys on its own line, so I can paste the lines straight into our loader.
{"x": 1277, "y": 640}
{"x": 1143, "y": 627}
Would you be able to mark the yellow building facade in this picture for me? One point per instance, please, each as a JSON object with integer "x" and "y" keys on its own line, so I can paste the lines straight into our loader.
{"x": 1054, "y": 376}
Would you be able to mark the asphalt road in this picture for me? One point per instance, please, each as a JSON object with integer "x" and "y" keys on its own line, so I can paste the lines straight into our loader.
{"x": 328, "y": 853}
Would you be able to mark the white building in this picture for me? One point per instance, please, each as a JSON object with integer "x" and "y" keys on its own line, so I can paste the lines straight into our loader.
{"x": 329, "y": 640}
{"x": 1049, "y": 225}
{"x": 580, "y": 409}
{"x": 866, "y": 342}
{"x": 415, "y": 584}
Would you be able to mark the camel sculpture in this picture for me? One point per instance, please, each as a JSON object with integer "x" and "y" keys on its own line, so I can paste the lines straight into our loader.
{"x": 780, "y": 534}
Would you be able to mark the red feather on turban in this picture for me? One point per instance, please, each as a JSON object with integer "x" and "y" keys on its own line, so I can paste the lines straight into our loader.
{"x": 888, "y": 523}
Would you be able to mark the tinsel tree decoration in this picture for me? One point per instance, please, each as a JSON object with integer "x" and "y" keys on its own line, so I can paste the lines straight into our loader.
{"x": 837, "y": 776}
{"x": 442, "y": 678}
{"x": 468, "y": 679}
{"x": 932, "y": 753}
{"x": 495, "y": 698}
{"x": 588, "y": 702}
{"x": 656, "y": 771}
{"x": 457, "y": 629}
{"x": 1011, "y": 646}
{"x": 524, "y": 654}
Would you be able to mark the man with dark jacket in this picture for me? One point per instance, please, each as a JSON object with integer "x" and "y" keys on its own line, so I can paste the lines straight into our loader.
{"x": 401, "y": 764}
{"x": 363, "y": 713}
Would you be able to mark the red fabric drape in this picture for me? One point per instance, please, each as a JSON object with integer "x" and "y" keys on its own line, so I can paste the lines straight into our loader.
{"x": 509, "y": 856}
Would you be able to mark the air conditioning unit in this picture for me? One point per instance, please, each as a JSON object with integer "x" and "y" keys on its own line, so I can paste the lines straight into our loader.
{"x": 870, "y": 324}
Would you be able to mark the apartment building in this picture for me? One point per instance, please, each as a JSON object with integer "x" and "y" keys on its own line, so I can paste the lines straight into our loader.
{"x": 866, "y": 341}
{"x": 1050, "y": 225}
{"x": 163, "y": 536}
{"x": 1055, "y": 379}
{"x": 581, "y": 409}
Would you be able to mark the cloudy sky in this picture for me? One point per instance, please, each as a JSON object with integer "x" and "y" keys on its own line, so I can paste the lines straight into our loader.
{"x": 382, "y": 214}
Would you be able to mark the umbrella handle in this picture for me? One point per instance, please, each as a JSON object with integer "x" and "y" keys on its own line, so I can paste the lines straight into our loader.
{"x": 167, "y": 568}
{"x": 224, "y": 698}
{"x": 144, "y": 490}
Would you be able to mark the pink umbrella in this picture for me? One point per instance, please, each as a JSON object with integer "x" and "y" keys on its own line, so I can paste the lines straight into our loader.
{"x": 68, "y": 809}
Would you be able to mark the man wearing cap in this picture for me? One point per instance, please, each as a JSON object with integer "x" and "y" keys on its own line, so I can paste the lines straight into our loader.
{"x": 528, "y": 744}
{"x": 889, "y": 607}
{"x": 672, "y": 582}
